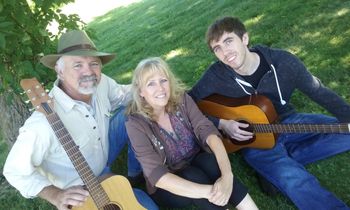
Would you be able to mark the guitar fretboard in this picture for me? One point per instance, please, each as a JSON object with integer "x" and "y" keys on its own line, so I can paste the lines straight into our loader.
{"x": 90, "y": 180}
{"x": 301, "y": 128}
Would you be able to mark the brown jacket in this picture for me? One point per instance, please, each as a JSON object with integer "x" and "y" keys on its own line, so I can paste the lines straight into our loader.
{"x": 147, "y": 143}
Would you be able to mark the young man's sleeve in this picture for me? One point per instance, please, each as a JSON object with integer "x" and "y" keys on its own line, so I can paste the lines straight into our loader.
{"x": 201, "y": 90}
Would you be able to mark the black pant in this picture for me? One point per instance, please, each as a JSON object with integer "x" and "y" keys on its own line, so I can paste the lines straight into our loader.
{"x": 204, "y": 170}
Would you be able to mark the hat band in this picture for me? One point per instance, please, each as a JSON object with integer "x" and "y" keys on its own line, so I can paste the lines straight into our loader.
{"x": 77, "y": 47}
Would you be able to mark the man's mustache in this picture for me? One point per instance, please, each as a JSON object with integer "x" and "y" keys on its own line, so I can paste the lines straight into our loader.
{"x": 88, "y": 78}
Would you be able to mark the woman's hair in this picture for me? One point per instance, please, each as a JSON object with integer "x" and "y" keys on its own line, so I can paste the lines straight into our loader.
{"x": 144, "y": 70}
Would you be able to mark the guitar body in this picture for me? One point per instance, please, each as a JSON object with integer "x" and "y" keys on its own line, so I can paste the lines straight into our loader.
{"x": 120, "y": 194}
{"x": 251, "y": 109}
{"x": 259, "y": 113}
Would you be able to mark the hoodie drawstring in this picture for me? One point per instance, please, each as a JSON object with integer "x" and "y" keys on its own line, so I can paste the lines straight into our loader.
{"x": 283, "y": 102}
{"x": 243, "y": 83}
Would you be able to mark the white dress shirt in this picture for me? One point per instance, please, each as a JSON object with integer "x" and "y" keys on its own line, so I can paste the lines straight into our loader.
{"x": 37, "y": 159}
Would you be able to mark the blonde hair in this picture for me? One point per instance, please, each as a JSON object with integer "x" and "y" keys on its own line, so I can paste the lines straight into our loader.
{"x": 144, "y": 70}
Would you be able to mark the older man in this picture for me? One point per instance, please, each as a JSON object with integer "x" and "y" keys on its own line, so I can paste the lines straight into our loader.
{"x": 37, "y": 164}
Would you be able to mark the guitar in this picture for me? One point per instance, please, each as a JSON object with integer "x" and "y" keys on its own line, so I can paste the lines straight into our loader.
{"x": 115, "y": 192}
{"x": 259, "y": 112}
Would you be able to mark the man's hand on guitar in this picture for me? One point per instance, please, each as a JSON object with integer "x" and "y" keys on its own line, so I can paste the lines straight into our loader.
{"x": 73, "y": 196}
{"x": 65, "y": 199}
{"x": 233, "y": 129}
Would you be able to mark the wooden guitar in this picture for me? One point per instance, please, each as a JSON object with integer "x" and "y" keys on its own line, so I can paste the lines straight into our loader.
{"x": 259, "y": 112}
{"x": 114, "y": 193}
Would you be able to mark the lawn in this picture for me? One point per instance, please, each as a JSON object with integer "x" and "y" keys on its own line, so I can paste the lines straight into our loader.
{"x": 316, "y": 31}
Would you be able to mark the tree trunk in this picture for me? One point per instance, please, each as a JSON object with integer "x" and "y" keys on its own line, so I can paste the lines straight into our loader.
{"x": 13, "y": 113}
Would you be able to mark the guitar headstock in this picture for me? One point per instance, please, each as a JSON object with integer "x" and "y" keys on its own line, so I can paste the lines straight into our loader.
{"x": 37, "y": 96}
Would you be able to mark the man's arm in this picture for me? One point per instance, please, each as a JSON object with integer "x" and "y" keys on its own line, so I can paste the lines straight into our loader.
{"x": 118, "y": 94}
{"x": 64, "y": 199}
{"x": 315, "y": 90}
{"x": 20, "y": 168}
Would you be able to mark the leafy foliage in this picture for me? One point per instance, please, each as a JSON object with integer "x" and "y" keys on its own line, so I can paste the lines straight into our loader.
{"x": 24, "y": 37}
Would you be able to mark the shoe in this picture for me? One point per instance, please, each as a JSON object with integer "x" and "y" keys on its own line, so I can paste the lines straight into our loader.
{"x": 137, "y": 180}
{"x": 267, "y": 187}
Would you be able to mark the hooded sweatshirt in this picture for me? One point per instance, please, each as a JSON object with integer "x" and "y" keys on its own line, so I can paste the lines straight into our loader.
{"x": 287, "y": 73}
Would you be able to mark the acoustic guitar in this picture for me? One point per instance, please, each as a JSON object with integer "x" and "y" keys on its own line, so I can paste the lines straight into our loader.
{"x": 259, "y": 112}
{"x": 115, "y": 192}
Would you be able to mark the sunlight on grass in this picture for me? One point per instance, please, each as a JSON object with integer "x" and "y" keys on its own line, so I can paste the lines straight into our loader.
{"x": 336, "y": 41}
{"x": 333, "y": 84}
{"x": 168, "y": 35}
{"x": 254, "y": 21}
{"x": 174, "y": 53}
{"x": 313, "y": 35}
{"x": 295, "y": 49}
{"x": 342, "y": 12}
{"x": 126, "y": 76}
{"x": 346, "y": 60}
{"x": 88, "y": 10}
{"x": 150, "y": 10}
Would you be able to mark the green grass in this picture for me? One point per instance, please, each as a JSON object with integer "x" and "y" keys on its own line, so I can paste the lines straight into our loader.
{"x": 317, "y": 31}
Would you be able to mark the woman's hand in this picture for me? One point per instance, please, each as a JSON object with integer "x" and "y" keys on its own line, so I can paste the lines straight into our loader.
{"x": 221, "y": 190}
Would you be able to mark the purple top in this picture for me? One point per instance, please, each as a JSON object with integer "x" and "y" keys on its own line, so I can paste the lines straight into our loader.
{"x": 180, "y": 145}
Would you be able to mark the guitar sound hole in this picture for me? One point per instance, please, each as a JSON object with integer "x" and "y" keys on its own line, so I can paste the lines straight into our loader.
{"x": 111, "y": 207}
{"x": 249, "y": 129}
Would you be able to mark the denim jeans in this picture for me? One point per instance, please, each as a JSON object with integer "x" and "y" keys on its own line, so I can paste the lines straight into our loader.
{"x": 284, "y": 164}
{"x": 144, "y": 199}
{"x": 118, "y": 138}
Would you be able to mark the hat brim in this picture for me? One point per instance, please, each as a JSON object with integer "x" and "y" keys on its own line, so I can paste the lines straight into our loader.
{"x": 50, "y": 60}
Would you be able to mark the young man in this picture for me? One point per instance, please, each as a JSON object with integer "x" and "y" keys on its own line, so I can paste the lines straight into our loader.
{"x": 275, "y": 73}
{"x": 37, "y": 164}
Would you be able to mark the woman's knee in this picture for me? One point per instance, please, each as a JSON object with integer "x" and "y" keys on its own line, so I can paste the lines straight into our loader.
{"x": 194, "y": 174}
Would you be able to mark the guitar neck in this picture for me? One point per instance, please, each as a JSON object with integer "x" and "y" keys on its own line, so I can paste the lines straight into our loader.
{"x": 90, "y": 180}
{"x": 301, "y": 128}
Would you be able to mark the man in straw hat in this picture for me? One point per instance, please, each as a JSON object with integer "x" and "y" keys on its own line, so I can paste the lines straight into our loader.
{"x": 37, "y": 164}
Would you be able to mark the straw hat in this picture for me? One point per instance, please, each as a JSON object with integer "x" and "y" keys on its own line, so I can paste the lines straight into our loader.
{"x": 75, "y": 43}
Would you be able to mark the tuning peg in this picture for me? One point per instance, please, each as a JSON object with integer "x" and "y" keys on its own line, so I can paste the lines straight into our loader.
{"x": 22, "y": 93}
{"x": 47, "y": 90}
{"x": 31, "y": 109}
{"x": 27, "y": 101}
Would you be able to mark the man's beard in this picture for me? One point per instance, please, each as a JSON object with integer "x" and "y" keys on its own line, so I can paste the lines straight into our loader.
{"x": 89, "y": 89}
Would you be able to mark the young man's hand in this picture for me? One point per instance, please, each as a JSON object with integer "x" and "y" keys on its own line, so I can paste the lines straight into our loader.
{"x": 233, "y": 130}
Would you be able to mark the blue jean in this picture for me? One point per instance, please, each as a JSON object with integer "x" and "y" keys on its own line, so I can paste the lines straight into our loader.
{"x": 144, "y": 199}
{"x": 284, "y": 164}
{"x": 118, "y": 138}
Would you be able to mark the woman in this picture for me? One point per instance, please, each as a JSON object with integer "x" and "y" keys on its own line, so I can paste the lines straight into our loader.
{"x": 183, "y": 159}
